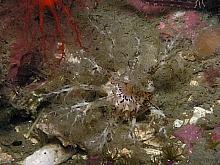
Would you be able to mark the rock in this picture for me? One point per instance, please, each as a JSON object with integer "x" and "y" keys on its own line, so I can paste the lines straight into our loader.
{"x": 5, "y": 158}
{"x": 50, "y": 154}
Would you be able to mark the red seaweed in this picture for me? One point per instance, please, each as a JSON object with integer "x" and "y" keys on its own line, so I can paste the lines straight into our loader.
{"x": 189, "y": 134}
{"x": 39, "y": 38}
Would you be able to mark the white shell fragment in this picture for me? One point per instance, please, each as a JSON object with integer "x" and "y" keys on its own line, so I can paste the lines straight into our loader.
{"x": 50, "y": 154}
{"x": 157, "y": 112}
{"x": 178, "y": 123}
{"x": 194, "y": 83}
{"x": 152, "y": 151}
{"x": 198, "y": 113}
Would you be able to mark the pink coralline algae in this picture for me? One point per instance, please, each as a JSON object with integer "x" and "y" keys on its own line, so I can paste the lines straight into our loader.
{"x": 186, "y": 24}
{"x": 192, "y": 19}
{"x": 192, "y": 22}
{"x": 189, "y": 134}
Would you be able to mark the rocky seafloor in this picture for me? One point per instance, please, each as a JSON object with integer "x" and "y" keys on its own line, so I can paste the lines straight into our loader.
{"x": 145, "y": 90}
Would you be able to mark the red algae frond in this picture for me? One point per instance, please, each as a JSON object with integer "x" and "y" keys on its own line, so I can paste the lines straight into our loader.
{"x": 38, "y": 37}
{"x": 52, "y": 5}
{"x": 189, "y": 134}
